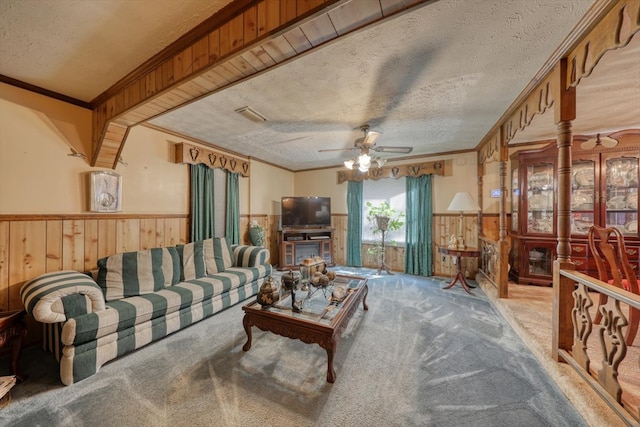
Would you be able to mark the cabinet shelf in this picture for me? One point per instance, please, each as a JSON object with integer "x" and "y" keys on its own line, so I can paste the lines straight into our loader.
{"x": 297, "y": 244}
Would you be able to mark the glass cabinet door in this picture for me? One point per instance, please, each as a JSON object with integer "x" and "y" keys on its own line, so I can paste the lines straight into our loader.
{"x": 540, "y": 198}
{"x": 583, "y": 194}
{"x": 621, "y": 206}
{"x": 515, "y": 199}
{"x": 540, "y": 256}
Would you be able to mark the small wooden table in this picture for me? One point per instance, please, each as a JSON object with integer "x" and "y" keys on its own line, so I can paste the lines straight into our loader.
{"x": 319, "y": 322}
{"x": 12, "y": 329}
{"x": 460, "y": 253}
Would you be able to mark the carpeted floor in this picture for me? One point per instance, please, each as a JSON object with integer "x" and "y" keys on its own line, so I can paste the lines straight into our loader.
{"x": 421, "y": 356}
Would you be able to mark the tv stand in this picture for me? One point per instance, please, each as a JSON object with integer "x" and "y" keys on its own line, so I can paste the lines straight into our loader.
{"x": 296, "y": 244}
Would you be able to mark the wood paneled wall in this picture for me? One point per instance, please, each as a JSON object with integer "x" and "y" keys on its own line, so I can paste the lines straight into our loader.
{"x": 34, "y": 244}
{"x": 271, "y": 223}
{"x": 444, "y": 225}
{"x": 31, "y": 245}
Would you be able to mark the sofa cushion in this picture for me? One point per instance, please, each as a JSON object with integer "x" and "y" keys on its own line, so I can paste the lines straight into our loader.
{"x": 192, "y": 259}
{"x": 138, "y": 273}
{"x": 249, "y": 256}
{"x": 129, "y": 312}
{"x": 217, "y": 255}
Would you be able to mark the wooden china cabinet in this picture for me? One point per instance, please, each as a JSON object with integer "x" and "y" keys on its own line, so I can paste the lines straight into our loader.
{"x": 604, "y": 191}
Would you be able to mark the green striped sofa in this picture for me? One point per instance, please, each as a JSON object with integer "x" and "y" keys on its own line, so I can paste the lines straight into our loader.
{"x": 135, "y": 298}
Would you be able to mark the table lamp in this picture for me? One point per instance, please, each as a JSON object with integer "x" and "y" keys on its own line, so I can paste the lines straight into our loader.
{"x": 462, "y": 202}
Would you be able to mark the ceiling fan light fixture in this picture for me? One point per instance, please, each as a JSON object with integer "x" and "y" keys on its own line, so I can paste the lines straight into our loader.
{"x": 366, "y": 144}
{"x": 74, "y": 153}
{"x": 364, "y": 160}
{"x": 251, "y": 114}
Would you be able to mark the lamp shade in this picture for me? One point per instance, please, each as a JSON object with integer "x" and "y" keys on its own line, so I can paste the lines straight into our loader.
{"x": 463, "y": 202}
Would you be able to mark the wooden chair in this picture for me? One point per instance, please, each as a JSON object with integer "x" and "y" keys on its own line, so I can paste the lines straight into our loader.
{"x": 609, "y": 251}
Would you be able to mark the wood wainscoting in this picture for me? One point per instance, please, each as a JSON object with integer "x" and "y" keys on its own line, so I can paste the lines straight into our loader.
{"x": 444, "y": 225}
{"x": 271, "y": 224}
{"x": 31, "y": 245}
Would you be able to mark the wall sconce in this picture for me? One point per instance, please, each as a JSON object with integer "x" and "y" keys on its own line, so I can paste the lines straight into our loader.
{"x": 75, "y": 153}
{"x": 461, "y": 202}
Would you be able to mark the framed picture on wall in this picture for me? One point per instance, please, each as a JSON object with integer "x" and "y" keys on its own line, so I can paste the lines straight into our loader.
{"x": 106, "y": 191}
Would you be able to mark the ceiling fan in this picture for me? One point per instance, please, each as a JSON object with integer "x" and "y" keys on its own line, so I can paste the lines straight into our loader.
{"x": 598, "y": 142}
{"x": 365, "y": 144}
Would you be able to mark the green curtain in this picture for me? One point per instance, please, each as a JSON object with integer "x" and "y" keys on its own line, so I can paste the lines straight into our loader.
{"x": 354, "y": 224}
{"x": 202, "y": 220}
{"x": 418, "y": 253}
{"x": 232, "y": 225}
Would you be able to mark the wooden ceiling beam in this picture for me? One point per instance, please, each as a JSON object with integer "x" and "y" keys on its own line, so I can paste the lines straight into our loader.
{"x": 243, "y": 39}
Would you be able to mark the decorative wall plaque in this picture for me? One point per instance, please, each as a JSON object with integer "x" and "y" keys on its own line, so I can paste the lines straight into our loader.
{"x": 106, "y": 191}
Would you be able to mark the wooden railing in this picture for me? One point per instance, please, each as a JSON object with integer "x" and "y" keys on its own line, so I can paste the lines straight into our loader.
{"x": 597, "y": 357}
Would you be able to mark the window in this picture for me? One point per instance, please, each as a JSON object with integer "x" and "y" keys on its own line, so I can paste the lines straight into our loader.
{"x": 392, "y": 191}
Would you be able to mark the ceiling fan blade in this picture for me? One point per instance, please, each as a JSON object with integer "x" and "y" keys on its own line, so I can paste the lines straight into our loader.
{"x": 337, "y": 149}
{"x": 589, "y": 144}
{"x": 598, "y": 141}
{"x": 389, "y": 149}
{"x": 608, "y": 142}
{"x": 371, "y": 137}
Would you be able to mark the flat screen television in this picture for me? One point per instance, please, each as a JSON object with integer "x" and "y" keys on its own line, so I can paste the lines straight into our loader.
{"x": 306, "y": 212}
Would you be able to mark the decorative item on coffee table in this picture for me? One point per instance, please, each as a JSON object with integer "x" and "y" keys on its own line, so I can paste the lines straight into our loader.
{"x": 290, "y": 280}
{"x": 268, "y": 294}
{"x": 310, "y": 266}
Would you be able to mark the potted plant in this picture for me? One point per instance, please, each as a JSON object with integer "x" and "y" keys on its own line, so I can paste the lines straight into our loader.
{"x": 256, "y": 233}
{"x": 382, "y": 219}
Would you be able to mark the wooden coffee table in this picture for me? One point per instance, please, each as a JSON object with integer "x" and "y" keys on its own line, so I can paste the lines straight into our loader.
{"x": 320, "y": 321}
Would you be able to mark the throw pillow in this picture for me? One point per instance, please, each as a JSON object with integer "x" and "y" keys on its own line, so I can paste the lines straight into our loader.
{"x": 192, "y": 258}
{"x": 135, "y": 273}
{"x": 217, "y": 255}
{"x": 172, "y": 266}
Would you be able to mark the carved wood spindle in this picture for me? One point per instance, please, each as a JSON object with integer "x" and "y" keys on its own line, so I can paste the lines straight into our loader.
{"x": 582, "y": 325}
{"x": 613, "y": 345}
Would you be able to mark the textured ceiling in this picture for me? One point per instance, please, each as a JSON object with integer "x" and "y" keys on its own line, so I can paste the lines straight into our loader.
{"x": 436, "y": 78}
{"x": 80, "y": 48}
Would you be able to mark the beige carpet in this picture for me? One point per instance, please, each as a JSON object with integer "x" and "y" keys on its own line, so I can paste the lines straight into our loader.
{"x": 529, "y": 310}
